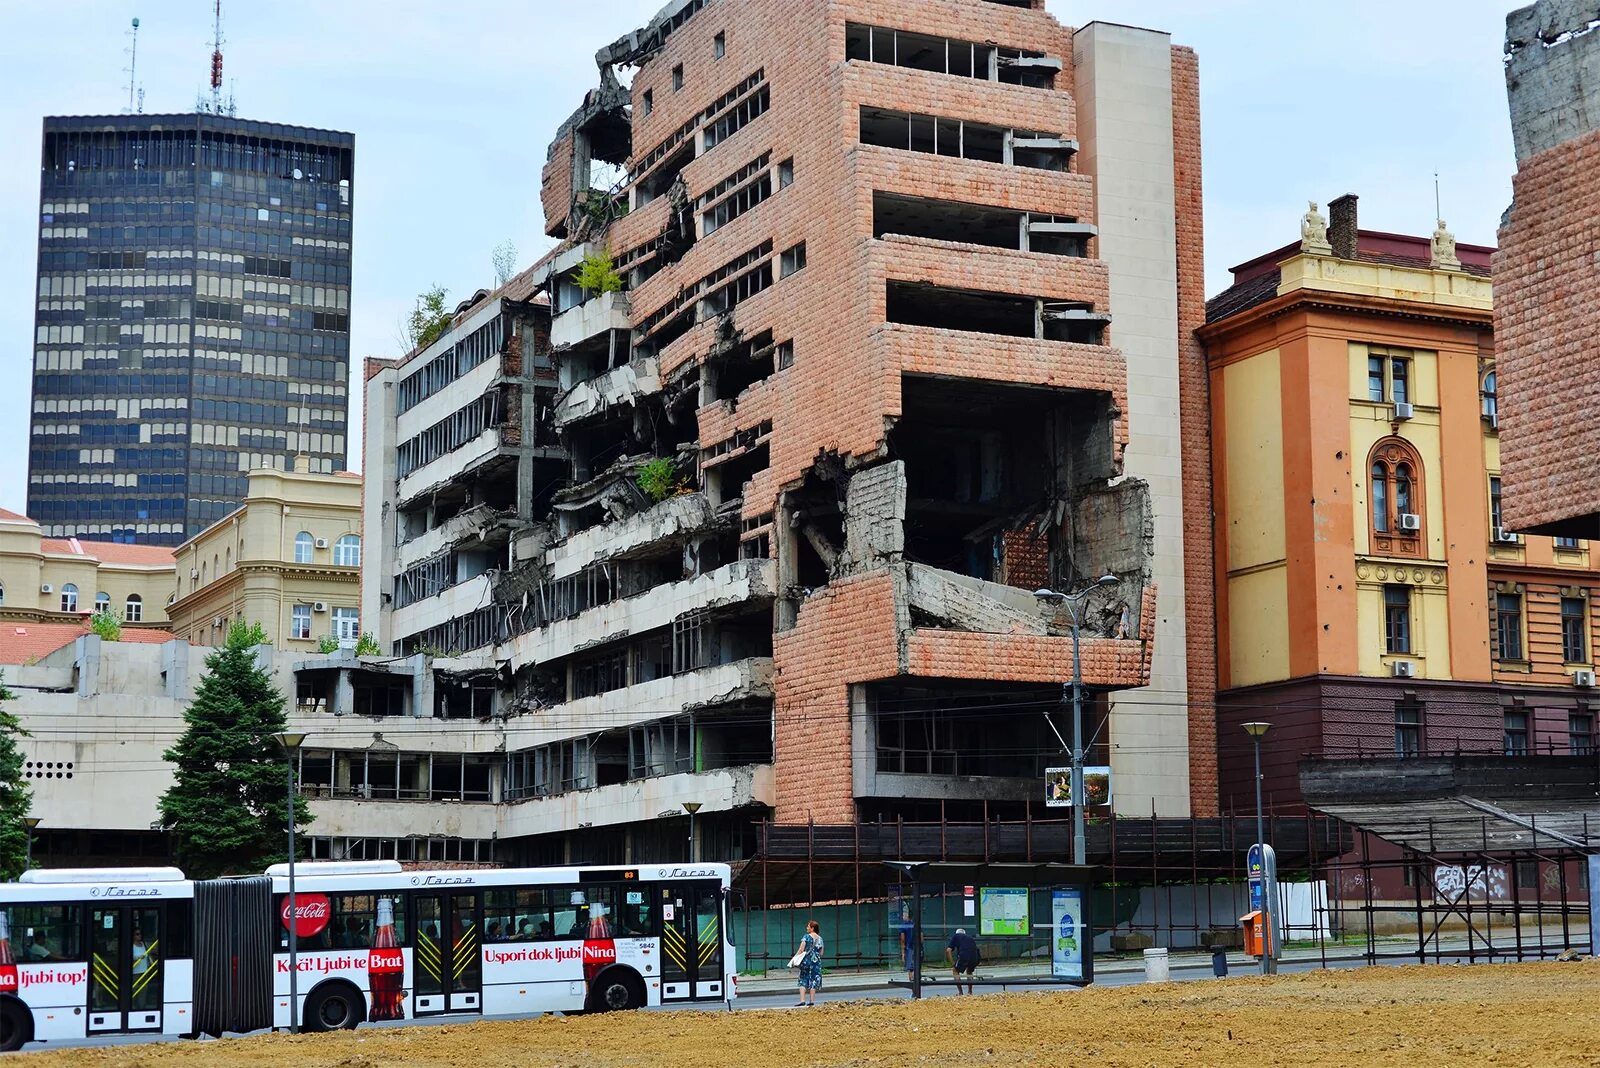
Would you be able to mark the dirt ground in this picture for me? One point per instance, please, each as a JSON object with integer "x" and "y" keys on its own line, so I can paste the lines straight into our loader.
{"x": 1532, "y": 1014}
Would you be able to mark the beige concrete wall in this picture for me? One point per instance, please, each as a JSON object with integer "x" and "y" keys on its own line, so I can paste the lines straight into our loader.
{"x": 25, "y": 568}
{"x": 1125, "y": 126}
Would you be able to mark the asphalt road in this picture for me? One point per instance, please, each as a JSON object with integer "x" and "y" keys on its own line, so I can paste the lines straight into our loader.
{"x": 941, "y": 987}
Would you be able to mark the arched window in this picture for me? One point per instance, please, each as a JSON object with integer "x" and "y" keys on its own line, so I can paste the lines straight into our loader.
{"x": 2, "y": 595}
{"x": 303, "y": 544}
{"x": 69, "y": 598}
{"x": 102, "y": 602}
{"x": 1491, "y": 399}
{"x": 133, "y": 610}
{"x": 1396, "y": 498}
{"x": 204, "y": 573}
{"x": 347, "y": 551}
{"x": 227, "y": 558}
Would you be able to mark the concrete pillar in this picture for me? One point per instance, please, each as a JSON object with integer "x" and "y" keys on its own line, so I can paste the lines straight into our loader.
{"x": 343, "y": 701}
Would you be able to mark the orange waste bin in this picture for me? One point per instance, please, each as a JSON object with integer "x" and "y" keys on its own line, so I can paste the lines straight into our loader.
{"x": 1251, "y": 922}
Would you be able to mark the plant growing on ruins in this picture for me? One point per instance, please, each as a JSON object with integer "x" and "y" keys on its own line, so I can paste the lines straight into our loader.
{"x": 595, "y": 274}
{"x": 15, "y": 798}
{"x": 367, "y": 645}
{"x": 660, "y": 479}
{"x": 429, "y": 319}
{"x": 106, "y": 625}
{"x": 226, "y": 803}
{"x": 327, "y": 644}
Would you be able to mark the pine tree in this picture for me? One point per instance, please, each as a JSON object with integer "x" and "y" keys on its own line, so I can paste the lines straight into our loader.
{"x": 226, "y": 805}
{"x": 15, "y": 797}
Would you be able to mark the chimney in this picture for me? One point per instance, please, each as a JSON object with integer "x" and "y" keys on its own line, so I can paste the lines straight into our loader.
{"x": 1342, "y": 226}
{"x": 302, "y": 464}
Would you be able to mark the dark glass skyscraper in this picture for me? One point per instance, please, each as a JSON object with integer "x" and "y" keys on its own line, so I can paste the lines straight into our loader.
{"x": 193, "y": 318}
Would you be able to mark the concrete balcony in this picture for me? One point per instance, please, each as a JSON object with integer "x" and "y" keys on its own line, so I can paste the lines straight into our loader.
{"x": 471, "y": 523}
{"x": 462, "y": 599}
{"x": 448, "y": 466}
{"x": 722, "y": 790}
{"x": 735, "y": 583}
{"x": 644, "y": 702}
{"x": 348, "y": 817}
{"x": 605, "y": 311}
{"x": 620, "y": 385}
{"x": 674, "y": 518}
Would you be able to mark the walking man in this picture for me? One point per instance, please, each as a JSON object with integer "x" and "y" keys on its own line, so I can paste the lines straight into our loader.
{"x": 962, "y": 953}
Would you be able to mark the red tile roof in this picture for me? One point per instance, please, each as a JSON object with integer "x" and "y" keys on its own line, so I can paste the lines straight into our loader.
{"x": 110, "y": 552}
{"x": 8, "y": 514}
{"x": 23, "y": 642}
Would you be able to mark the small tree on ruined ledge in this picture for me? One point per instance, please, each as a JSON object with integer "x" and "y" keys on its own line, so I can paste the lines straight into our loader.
{"x": 429, "y": 319}
{"x": 595, "y": 274}
{"x": 660, "y": 479}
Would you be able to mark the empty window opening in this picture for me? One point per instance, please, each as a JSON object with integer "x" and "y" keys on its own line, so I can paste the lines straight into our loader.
{"x": 977, "y": 224}
{"x": 738, "y": 117}
{"x": 979, "y": 454}
{"x": 735, "y": 195}
{"x": 792, "y": 260}
{"x": 786, "y": 174}
{"x": 747, "y": 363}
{"x": 719, "y": 45}
{"x": 677, "y": 77}
{"x": 918, "y": 304}
{"x": 648, "y": 101}
{"x": 656, "y": 184}
{"x": 725, "y": 481}
{"x": 948, "y": 727}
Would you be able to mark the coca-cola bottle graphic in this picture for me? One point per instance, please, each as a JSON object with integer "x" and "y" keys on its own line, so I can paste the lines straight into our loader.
{"x": 386, "y": 968}
{"x": 8, "y": 964}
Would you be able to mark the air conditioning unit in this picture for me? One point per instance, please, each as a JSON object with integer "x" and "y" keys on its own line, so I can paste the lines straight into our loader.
{"x": 1494, "y": 421}
{"x": 322, "y": 543}
{"x": 1404, "y": 410}
{"x": 47, "y": 588}
{"x": 216, "y": 621}
{"x": 319, "y": 606}
{"x": 1506, "y": 537}
{"x": 1403, "y": 669}
{"x": 1583, "y": 677}
{"x": 194, "y": 572}
{"x": 1410, "y": 522}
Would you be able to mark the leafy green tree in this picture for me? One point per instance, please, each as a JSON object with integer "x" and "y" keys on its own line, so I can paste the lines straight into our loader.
{"x": 226, "y": 805}
{"x": 327, "y": 644}
{"x": 367, "y": 645}
{"x": 429, "y": 318}
{"x": 596, "y": 275}
{"x": 15, "y": 797}
{"x": 107, "y": 625}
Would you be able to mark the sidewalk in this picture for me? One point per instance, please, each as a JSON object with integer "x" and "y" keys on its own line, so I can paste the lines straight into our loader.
{"x": 781, "y": 980}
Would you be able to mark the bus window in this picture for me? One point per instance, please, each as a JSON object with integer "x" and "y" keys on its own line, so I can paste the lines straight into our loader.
{"x": 633, "y": 913}
{"x": 517, "y": 916}
{"x": 571, "y": 913}
{"x": 602, "y": 911}
{"x": 351, "y": 920}
{"x": 41, "y": 933}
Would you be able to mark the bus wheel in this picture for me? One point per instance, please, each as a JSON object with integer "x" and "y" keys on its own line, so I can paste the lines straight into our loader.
{"x": 617, "y": 990}
{"x": 333, "y": 1007}
{"x": 16, "y": 1026}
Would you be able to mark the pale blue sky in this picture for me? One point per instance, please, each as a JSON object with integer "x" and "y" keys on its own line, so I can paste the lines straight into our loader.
{"x": 453, "y": 104}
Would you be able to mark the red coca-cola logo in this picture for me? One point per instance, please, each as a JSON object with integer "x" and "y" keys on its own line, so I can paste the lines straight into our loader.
{"x": 386, "y": 960}
{"x": 600, "y": 952}
{"x": 8, "y": 978}
{"x": 311, "y": 914}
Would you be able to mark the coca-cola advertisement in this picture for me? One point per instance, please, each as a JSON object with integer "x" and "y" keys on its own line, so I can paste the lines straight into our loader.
{"x": 8, "y": 964}
{"x": 386, "y": 966}
{"x": 311, "y": 915}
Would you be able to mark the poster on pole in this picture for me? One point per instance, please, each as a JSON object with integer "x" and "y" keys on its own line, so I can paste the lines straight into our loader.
{"x": 1002, "y": 911}
{"x": 1066, "y": 933}
{"x": 1058, "y": 786}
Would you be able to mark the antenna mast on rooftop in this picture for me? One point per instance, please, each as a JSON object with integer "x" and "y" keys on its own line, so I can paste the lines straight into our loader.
{"x": 218, "y": 105}
{"x": 132, "y": 70}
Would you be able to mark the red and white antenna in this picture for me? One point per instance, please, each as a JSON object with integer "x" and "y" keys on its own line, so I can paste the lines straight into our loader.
{"x": 218, "y": 105}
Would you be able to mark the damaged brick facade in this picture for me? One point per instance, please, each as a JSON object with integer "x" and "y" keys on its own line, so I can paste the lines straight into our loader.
{"x": 837, "y": 385}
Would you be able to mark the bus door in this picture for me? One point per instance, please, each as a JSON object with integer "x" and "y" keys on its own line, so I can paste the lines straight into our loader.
{"x": 126, "y": 950}
{"x": 691, "y": 940}
{"x": 448, "y": 962}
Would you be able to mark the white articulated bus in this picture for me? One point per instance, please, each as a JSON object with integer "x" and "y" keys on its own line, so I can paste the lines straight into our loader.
{"x": 372, "y": 942}
{"x": 96, "y": 951}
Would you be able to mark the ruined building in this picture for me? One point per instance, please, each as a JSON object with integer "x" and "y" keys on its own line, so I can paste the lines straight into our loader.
{"x": 864, "y": 325}
{"x": 1546, "y": 318}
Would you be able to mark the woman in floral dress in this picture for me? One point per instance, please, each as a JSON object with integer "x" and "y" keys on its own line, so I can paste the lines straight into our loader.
{"x": 810, "y": 953}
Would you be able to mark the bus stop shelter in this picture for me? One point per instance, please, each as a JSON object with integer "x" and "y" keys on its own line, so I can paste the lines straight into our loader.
{"x": 999, "y": 899}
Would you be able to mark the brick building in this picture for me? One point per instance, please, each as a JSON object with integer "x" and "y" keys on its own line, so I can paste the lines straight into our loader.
{"x": 865, "y": 324}
{"x": 1371, "y": 599}
{"x": 1545, "y": 313}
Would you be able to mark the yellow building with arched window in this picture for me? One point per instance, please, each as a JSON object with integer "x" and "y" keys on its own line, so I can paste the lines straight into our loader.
{"x": 1369, "y": 597}
{"x": 289, "y": 558}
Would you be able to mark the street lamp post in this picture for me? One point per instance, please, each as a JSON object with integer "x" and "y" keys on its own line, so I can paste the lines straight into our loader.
{"x": 691, "y": 807}
{"x": 290, "y": 743}
{"x": 30, "y": 822}
{"x": 1256, "y": 730}
{"x": 1076, "y": 604}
